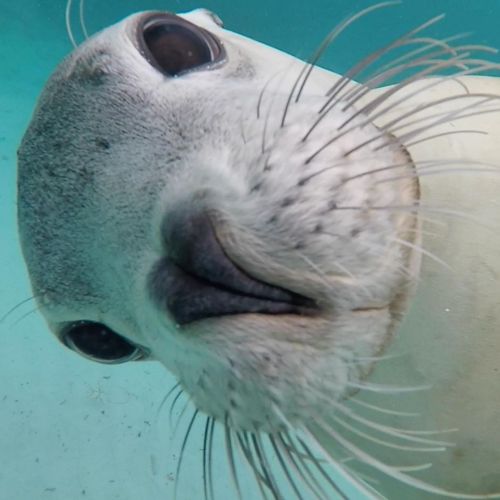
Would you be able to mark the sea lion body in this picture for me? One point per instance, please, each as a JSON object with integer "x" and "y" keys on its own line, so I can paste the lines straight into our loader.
{"x": 121, "y": 163}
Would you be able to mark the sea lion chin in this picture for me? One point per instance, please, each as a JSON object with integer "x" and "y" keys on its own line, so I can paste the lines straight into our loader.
{"x": 258, "y": 226}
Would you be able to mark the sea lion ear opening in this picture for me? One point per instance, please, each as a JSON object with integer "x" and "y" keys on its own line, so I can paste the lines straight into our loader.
{"x": 174, "y": 46}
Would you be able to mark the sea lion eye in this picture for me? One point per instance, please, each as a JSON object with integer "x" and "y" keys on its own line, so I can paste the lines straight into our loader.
{"x": 175, "y": 46}
{"x": 99, "y": 343}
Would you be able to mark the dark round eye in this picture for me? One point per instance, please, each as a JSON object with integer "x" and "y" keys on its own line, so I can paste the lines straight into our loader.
{"x": 99, "y": 343}
{"x": 175, "y": 46}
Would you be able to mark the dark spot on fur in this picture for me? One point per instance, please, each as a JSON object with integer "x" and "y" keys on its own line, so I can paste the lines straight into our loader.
{"x": 355, "y": 232}
{"x": 233, "y": 404}
{"x": 272, "y": 219}
{"x": 267, "y": 167}
{"x": 256, "y": 187}
{"x": 318, "y": 228}
{"x": 299, "y": 245}
{"x": 303, "y": 181}
{"x": 288, "y": 201}
{"x": 332, "y": 205}
{"x": 102, "y": 143}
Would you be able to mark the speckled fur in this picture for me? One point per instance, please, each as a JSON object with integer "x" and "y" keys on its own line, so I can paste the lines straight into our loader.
{"x": 114, "y": 147}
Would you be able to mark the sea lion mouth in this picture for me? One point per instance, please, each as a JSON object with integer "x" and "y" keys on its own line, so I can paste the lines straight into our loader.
{"x": 198, "y": 280}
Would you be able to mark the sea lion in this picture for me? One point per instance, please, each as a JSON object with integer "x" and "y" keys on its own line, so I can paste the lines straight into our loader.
{"x": 260, "y": 225}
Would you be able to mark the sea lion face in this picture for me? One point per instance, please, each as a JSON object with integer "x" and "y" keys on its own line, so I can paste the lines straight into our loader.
{"x": 179, "y": 201}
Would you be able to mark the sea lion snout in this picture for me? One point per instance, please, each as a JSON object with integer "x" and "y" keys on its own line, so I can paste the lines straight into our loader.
{"x": 197, "y": 280}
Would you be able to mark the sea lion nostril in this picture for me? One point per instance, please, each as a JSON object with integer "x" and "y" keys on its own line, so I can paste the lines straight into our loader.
{"x": 198, "y": 280}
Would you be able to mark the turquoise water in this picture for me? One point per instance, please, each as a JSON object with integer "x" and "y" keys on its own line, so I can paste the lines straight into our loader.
{"x": 71, "y": 429}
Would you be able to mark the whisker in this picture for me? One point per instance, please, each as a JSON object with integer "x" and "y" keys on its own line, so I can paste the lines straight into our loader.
{"x": 382, "y": 357}
{"x": 403, "y": 434}
{"x": 181, "y": 453}
{"x": 430, "y": 43}
{"x": 245, "y": 449}
{"x": 444, "y": 119}
{"x": 264, "y": 465}
{"x": 16, "y": 307}
{"x": 310, "y": 481}
{"x": 205, "y": 472}
{"x": 372, "y": 105}
{"x": 432, "y": 62}
{"x": 210, "y": 461}
{"x": 419, "y": 207}
{"x": 353, "y": 95}
{"x": 387, "y": 389}
{"x": 375, "y": 56}
{"x": 383, "y": 410}
{"x": 390, "y": 470}
{"x": 382, "y": 442}
{"x": 388, "y": 127}
{"x": 349, "y": 477}
{"x": 284, "y": 467}
{"x": 291, "y": 447}
{"x": 308, "y": 67}
{"x": 67, "y": 16}
{"x": 446, "y": 171}
{"x": 230, "y": 455}
{"x": 432, "y": 83}
{"x": 82, "y": 19}
{"x": 421, "y": 250}
{"x": 284, "y": 73}
{"x": 24, "y": 316}
{"x": 172, "y": 405}
{"x": 165, "y": 398}
{"x": 484, "y": 98}
{"x": 181, "y": 414}
{"x": 445, "y": 134}
{"x": 321, "y": 469}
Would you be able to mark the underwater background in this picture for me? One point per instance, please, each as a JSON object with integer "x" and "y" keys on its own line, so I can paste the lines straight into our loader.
{"x": 72, "y": 429}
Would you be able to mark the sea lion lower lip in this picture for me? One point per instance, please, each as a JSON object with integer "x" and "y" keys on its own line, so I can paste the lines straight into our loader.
{"x": 189, "y": 298}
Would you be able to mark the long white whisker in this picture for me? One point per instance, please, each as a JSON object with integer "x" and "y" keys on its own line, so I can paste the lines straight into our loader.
{"x": 67, "y": 16}
{"x": 440, "y": 119}
{"x": 382, "y": 442}
{"x": 446, "y": 134}
{"x": 339, "y": 468}
{"x": 446, "y": 171}
{"x": 303, "y": 470}
{"x": 382, "y": 410}
{"x": 421, "y": 250}
{"x": 404, "y": 434}
{"x": 387, "y": 389}
{"x": 392, "y": 471}
{"x": 371, "y": 58}
{"x": 433, "y": 82}
{"x": 325, "y": 44}
{"x": 82, "y": 19}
